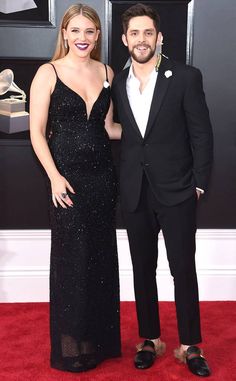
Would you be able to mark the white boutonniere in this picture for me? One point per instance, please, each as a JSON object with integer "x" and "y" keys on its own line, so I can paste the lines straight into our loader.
{"x": 106, "y": 84}
{"x": 168, "y": 73}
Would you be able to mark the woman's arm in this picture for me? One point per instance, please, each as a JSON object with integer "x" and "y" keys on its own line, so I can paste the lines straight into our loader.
{"x": 40, "y": 92}
{"x": 113, "y": 129}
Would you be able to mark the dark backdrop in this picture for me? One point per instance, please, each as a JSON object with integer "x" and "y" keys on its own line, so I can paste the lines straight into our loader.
{"x": 173, "y": 15}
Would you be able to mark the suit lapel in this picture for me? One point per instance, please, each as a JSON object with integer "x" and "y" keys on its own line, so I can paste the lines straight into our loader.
{"x": 161, "y": 87}
{"x": 126, "y": 103}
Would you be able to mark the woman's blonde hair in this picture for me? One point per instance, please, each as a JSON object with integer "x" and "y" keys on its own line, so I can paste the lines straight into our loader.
{"x": 72, "y": 11}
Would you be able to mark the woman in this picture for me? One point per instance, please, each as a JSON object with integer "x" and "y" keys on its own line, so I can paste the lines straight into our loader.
{"x": 70, "y": 98}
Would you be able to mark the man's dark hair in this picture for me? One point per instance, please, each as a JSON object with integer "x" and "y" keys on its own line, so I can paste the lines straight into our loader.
{"x": 140, "y": 10}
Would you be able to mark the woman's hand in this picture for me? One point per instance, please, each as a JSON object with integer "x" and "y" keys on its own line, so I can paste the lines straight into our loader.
{"x": 59, "y": 192}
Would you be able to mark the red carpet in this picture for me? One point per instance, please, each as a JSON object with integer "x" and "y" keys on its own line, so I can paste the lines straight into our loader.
{"x": 24, "y": 346}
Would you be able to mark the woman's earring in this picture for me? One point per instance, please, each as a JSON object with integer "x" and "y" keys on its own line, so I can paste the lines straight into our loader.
{"x": 95, "y": 45}
{"x": 65, "y": 43}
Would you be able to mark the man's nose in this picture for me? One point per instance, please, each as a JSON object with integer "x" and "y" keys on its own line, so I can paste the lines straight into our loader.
{"x": 142, "y": 37}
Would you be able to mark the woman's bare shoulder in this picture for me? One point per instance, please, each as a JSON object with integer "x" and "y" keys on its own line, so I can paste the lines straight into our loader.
{"x": 45, "y": 76}
{"x": 100, "y": 67}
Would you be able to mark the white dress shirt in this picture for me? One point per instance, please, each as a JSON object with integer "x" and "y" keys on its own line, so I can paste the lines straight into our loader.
{"x": 140, "y": 103}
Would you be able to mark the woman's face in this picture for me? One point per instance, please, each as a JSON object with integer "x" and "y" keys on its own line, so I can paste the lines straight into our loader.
{"x": 81, "y": 35}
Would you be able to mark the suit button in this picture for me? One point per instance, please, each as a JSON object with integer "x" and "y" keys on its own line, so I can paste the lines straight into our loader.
{"x": 146, "y": 164}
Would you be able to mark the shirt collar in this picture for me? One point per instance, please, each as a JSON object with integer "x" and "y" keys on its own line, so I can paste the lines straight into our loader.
{"x": 132, "y": 76}
{"x": 131, "y": 72}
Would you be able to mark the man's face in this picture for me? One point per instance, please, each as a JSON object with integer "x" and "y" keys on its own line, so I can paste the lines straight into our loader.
{"x": 141, "y": 39}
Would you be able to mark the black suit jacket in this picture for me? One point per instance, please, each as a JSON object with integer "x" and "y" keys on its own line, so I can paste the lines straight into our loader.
{"x": 176, "y": 151}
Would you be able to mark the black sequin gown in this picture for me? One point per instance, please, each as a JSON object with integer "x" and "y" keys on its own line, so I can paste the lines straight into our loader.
{"x": 84, "y": 286}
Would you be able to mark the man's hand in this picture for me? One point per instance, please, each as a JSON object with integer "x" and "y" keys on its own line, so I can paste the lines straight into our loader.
{"x": 198, "y": 193}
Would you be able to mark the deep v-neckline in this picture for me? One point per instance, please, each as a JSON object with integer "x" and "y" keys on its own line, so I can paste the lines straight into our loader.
{"x": 82, "y": 99}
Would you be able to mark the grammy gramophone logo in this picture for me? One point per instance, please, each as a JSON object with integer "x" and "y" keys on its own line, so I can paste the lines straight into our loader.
{"x": 13, "y": 117}
{"x": 11, "y": 6}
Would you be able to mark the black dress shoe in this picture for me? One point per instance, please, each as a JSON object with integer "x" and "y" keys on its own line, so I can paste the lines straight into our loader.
{"x": 196, "y": 363}
{"x": 145, "y": 356}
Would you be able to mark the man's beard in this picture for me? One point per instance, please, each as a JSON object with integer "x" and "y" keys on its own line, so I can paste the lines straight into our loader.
{"x": 141, "y": 59}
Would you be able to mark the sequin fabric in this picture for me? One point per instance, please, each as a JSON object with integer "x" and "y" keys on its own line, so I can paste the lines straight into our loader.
{"x": 84, "y": 286}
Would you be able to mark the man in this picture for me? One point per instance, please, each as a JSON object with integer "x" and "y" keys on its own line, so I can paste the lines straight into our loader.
{"x": 166, "y": 157}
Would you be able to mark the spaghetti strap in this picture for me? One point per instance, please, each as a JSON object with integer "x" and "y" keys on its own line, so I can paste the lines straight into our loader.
{"x": 53, "y": 68}
{"x": 106, "y": 73}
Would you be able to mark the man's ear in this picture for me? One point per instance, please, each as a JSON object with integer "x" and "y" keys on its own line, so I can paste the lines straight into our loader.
{"x": 124, "y": 39}
{"x": 159, "y": 39}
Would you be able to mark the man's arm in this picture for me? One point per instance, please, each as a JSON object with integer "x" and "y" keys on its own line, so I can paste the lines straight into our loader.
{"x": 199, "y": 126}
